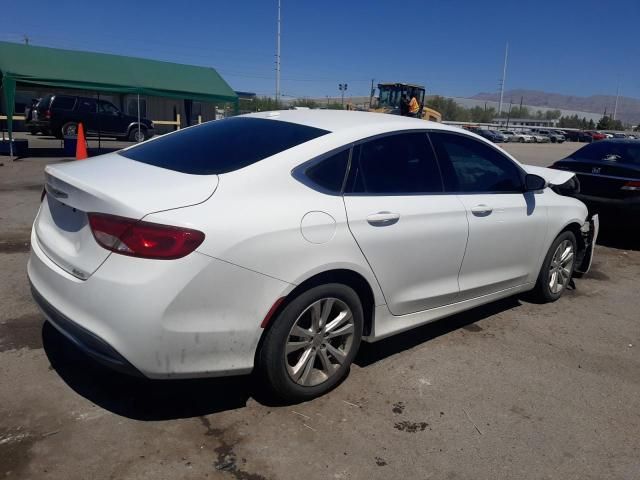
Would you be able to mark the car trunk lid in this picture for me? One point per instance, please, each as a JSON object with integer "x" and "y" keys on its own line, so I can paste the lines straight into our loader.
{"x": 110, "y": 184}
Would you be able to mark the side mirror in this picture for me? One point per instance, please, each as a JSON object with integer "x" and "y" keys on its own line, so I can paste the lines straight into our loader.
{"x": 534, "y": 183}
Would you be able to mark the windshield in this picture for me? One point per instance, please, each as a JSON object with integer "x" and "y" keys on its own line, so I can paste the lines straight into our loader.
{"x": 221, "y": 146}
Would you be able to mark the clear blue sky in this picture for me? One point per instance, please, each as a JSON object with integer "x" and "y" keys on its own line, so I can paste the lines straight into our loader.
{"x": 454, "y": 47}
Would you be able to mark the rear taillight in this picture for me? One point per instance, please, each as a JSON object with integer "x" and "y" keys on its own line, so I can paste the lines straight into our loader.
{"x": 47, "y": 114}
{"x": 634, "y": 185}
{"x": 143, "y": 239}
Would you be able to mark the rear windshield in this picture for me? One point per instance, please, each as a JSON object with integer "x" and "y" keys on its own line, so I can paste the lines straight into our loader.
{"x": 222, "y": 146}
{"x": 625, "y": 152}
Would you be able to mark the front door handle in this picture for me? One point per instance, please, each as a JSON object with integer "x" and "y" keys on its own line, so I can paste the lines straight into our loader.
{"x": 383, "y": 219}
{"x": 481, "y": 210}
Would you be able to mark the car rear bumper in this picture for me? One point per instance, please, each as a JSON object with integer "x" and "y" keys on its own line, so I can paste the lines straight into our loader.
{"x": 192, "y": 317}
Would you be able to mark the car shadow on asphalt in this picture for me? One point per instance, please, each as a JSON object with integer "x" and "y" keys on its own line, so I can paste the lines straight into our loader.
{"x": 149, "y": 400}
{"x": 140, "y": 398}
{"x": 371, "y": 353}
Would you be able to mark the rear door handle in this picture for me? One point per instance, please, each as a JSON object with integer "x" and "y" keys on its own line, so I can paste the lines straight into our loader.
{"x": 481, "y": 210}
{"x": 383, "y": 219}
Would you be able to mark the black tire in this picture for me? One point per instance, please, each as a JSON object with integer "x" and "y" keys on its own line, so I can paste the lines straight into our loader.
{"x": 69, "y": 129}
{"x": 542, "y": 293}
{"x": 133, "y": 134}
{"x": 271, "y": 362}
{"x": 33, "y": 131}
{"x": 521, "y": 140}
{"x": 553, "y": 140}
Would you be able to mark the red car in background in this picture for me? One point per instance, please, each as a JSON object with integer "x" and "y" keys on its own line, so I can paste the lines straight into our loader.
{"x": 596, "y": 135}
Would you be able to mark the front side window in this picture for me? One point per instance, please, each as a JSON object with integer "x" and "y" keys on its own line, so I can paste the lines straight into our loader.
{"x": 401, "y": 164}
{"x": 470, "y": 166}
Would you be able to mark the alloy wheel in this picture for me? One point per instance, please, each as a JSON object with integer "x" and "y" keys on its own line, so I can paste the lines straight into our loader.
{"x": 319, "y": 342}
{"x": 561, "y": 267}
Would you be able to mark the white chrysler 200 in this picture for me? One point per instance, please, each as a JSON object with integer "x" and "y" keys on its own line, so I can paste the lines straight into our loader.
{"x": 275, "y": 242}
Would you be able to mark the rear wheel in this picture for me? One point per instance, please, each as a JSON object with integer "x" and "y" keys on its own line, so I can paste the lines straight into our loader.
{"x": 69, "y": 129}
{"x": 310, "y": 346}
{"x": 557, "y": 269}
{"x": 521, "y": 140}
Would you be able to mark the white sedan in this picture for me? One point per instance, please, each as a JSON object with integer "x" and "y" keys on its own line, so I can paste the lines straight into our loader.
{"x": 519, "y": 137}
{"x": 276, "y": 242}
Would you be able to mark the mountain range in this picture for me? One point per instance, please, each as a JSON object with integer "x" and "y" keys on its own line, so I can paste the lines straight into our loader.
{"x": 628, "y": 107}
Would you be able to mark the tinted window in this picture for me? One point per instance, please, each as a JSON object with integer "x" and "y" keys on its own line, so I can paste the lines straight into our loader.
{"x": 222, "y": 146}
{"x": 86, "y": 105}
{"x": 63, "y": 103}
{"x": 328, "y": 174}
{"x": 395, "y": 164}
{"x": 610, "y": 151}
{"x": 469, "y": 165}
{"x": 108, "y": 108}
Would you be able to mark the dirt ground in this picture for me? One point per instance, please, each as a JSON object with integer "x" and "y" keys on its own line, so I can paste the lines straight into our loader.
{"x": 509, "y": 390}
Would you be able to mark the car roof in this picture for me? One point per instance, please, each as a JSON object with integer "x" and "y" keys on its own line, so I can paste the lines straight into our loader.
{"x": 337, "y": 121}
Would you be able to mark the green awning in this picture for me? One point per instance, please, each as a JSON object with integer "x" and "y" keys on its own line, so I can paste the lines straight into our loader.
{"x": 111, "y": 73}
{"x": 100, "y": 72}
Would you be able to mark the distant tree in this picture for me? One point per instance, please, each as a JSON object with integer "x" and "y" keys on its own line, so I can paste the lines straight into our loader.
{"x": 608, "y": 123}
{"x": 591, "y": 125}
{"x": 305, "y": 102}
{"x": 517, "y": 112}
{"x": 259, "y": 104}
{"x": 552, "y": 114}
{"x": 482, "y": 115}
{"x": 448, "y": 108}
{"x": 334, "y": 106}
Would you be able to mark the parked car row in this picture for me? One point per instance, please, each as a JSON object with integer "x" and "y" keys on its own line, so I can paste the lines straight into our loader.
{"x": 59, "y": 115}
{"x": 547, "y": 135}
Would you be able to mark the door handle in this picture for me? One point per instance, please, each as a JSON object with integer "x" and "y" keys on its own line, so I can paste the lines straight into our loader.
{"x": 481, "y": 210}
{"x": 383, "y": 219}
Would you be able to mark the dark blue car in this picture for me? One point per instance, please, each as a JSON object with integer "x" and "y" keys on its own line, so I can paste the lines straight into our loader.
{"x": 609, "y": 175}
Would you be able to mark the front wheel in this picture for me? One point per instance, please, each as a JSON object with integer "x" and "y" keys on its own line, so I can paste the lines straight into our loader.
{"x": 521, "y": 140}
{"x": 311, "y": 344}
{"x": 136, "y": 135}
{"x": 69, "y": 129}
{"x": 557, "y": 269}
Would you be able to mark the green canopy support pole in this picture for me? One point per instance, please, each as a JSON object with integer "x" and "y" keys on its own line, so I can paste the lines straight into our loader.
{"x": 9, "y": 88}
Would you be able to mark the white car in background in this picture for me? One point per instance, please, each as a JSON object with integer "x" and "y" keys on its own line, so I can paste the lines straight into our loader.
{"x": 538, "y": 138}
{"x": 513, "y": 136}
{"x": 278, "y": 241}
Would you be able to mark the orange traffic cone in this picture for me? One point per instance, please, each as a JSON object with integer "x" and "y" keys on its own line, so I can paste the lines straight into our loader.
{"x": 81, "y": 144}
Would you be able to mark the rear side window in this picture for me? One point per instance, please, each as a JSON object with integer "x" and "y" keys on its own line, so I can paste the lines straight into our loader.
{"x": 326, "y": 174}
{"x": 470, "y": 166}
{"x": 401, "y": 164}
{"x": 63, "y": 103}
{"x": 87, "y": 105}
{"x": 222, "y": 146}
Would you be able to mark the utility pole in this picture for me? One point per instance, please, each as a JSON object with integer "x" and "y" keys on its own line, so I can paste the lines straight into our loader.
{"x": 371, "y": 95}
{"x": 615, "y": 107}
{"x": 504, "y": 78}
{"x": 278, "y": 60}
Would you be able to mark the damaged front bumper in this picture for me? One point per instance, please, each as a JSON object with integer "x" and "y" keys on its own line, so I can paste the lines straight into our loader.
{"x": 589, "y": 232}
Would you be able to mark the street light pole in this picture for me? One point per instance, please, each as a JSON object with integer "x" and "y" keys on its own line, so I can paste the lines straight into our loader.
{"x": 278, "y": 60}
{"x": 343, "y": 88}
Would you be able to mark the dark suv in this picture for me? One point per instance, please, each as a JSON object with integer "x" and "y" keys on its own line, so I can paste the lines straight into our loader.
{"x": 59, "y": 115}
